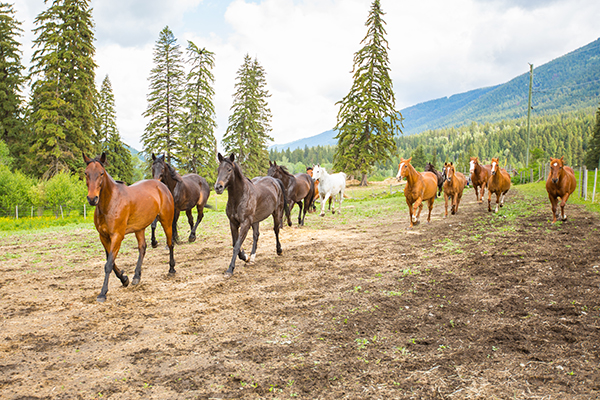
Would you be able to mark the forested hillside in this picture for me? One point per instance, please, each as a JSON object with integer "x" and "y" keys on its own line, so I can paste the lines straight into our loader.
{"x": 566, "y": 134}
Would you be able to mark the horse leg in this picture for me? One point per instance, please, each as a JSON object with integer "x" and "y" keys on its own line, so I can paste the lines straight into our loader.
{"x": 458, "y": 197}
{"x": 255, "y": 235}
{"x": 190, "y": 217}
{"x": 476, "y": 187}
{"x": 114, "y": 244}
{"x": 323, "y": 201}
{"x": 300, "y": 219}
{"x": 454, "y": 203}
{"x": 341, "y": 199}
{"x": 563, "y": 203}
{"x": 489, "y": 201}
{"x": 170, "y": 244}
{"x": 121, "y": 275}
{"x": 446, "y": 204}
{"x": 553, "y": 203}
{"x": 417, "y": 204}
{"x": 498, "y": 195}
{"x": 141, "y": 239}
{"x": 238, "y": 236}
{"x": 430, "y": 208}
{"x": 174, "y": 228}
{"x": 153, "y": 241}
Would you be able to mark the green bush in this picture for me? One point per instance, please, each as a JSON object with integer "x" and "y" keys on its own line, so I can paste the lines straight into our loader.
{"x": 14, "y": 190}
{"x": 64, "y": 190}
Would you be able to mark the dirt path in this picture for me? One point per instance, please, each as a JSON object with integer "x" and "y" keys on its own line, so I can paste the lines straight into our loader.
{"x": 472, "y": 306}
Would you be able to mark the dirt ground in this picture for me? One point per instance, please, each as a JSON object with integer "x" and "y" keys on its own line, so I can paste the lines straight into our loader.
{"x": 475, "y": 306}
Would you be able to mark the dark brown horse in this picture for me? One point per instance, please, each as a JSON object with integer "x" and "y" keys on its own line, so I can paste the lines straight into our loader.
{"x": 560, "y": 183}
{"x": 189, "y": 191}
{"x": 300, "y": 187}
{"x": 249, "y": 202}
{"x": 440, "y": 176}
{"x": 453, "y": 187}
{"x": 480, "y": 175}
{"x": 122, "y": 209}
{"x": 498, "y": 184}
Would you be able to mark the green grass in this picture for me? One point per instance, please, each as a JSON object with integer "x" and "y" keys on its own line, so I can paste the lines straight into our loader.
{"x": 538, "y": 190}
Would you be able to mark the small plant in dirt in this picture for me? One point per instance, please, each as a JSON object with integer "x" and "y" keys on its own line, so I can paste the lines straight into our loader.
{"x": 362, "y": 343}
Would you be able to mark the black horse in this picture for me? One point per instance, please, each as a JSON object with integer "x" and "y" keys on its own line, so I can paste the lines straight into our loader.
{"x": 440, "y": 177}
{"x": 299, "y": 187}
{"x": 189, "y": 191}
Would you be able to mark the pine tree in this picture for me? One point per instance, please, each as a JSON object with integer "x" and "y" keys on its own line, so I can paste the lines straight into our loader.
{"x": 165, "y": 100}
{"x": 63, "y": 92}
{"x": 419, "y": 159}
{"x": 11, "y": 81}
{"x": 119, "y": 164}
{"x": 199, "y": 145}
{"x": 592, "y": 157}
{"x": 250, "y": 122}
{"x": 367, "y": 120}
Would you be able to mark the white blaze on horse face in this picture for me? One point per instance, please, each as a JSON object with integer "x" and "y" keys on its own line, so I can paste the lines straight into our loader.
{"x": 555, "y": 164}
{"x": 399, "y": 174}
{"x": 471, "y": 166}
{"x": 493, "y": 166}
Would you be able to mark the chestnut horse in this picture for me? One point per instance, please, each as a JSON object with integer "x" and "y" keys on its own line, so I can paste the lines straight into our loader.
{"x": 122, "y": 209}
{"x": 441, "y": 177}
{"x": 453, "y": 187}
{"x": 420, "y": 187}
{"x": 480, "y": 175}
{"x": 560, "y": 183}
{"x": 249, "y": 202}
{"x": 498, "y": 184}
{"x": 299, "y": 187}
{"x": 189, "y": 191}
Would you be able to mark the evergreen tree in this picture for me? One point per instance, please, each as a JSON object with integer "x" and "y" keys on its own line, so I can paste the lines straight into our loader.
{"x": 11, "y": 81}
{"x": 165, "y": 101}
{"x": 419, "y": 159}
{"x": 367, "y": 120}
{"x": 63, "y": 91}
{"x": 250, "y": 122}
{"x": 592, "y": 157}
{"x": 119, "y": 164}
{"x": 199, "y": 145}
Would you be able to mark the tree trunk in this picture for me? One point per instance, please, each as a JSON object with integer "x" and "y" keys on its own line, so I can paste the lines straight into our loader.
{"x": 363, "y": 181}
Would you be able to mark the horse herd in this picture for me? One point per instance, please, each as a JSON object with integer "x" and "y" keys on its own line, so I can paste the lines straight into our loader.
{"x": 122, "y": 209}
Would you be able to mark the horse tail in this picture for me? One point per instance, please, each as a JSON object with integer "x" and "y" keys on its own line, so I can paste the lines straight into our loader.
{"x": 286, "y": 208}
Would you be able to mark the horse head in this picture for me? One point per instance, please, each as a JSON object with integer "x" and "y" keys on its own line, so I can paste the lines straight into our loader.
{"x": 403, "y": 168}
{"x": 309, "y": 171}
{"x": 449, "y": 171}
{"x": 556, "y": 165}
{"x": 495, "y": 166}
{"x": 225, "y": 172}
{"x": 274, "y": 169}
{"x": 94, "y": 177}
{"x": 159, "y": 167}
{"x": 317, "y": 172}
{"x": 474, "y": 161}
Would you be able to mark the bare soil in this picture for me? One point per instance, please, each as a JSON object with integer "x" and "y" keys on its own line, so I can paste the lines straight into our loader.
{"x": 475, "y": 306}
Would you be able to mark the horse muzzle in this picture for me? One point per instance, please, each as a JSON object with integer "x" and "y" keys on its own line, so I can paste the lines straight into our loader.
{"x": 219, "y": 188}
{"x": 93, "y": 200}
{"x": 554, "y": 180}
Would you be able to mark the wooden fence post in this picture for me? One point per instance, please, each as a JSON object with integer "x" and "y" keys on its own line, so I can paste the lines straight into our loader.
{"x": 595, "y": 180}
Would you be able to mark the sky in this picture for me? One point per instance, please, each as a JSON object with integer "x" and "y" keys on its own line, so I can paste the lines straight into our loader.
{"x": 437, "y": 48}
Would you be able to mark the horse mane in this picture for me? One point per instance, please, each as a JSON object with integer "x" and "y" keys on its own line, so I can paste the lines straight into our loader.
{"x": 237, "y": 168}
{"x": 174, "y": 174}
{"x": 285, "y": 170}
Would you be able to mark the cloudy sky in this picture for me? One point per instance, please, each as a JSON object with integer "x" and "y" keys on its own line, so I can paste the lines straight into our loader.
{"x": 437, "y": 48}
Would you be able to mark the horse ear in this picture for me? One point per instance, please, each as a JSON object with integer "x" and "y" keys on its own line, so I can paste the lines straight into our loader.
{"x": 86, "y": 158}
{"x": 153, "y": 157}
{"x": 270, "y": 163}
{"x": 232, "y": 157}
{"x": 103, "y": 158}
{"x": 220, "y": 157}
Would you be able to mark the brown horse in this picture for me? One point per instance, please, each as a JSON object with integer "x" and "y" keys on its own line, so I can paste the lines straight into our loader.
{"x": 480, "y": 175}
{"x": 560, "y": 183}
{"x": 420, "y": 186}
{"x": 189, "y": 191}
{"x": 454, "y": 184}
{"x": 249, "y": 202}
{"x": 299, "y": 187}
{"x": 498, "y": 184}
{"x": 122, "y": 209}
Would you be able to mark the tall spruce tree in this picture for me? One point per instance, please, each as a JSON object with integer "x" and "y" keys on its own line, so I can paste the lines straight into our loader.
{"x": 11, "y": 81}
{"x": 119, "y": 164}
{"x": 367, "y": 120}
{"x": 198, "y": 143}
{"x": 592, "y": 156}
{"x": 63, "y": 92}
{"x": 165, "y": 101}
{"x": 250, "y": 122}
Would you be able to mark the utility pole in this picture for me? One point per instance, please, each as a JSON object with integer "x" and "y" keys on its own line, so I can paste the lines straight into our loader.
{"x": 529, "y": 110}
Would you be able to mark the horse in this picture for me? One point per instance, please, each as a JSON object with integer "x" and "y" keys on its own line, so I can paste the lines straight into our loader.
{"x": 560, "y": 183}
{"x": 440, "y": 177}
{"x": 329, "y": 186}
{"x": 299, "y": 187}
{"x": 420, "y": 186}
{"x": 453, "y": 187}
{"x": 498, "y": 184}
{"x": 480, "y": 175}
{"x": 313, "y": 208}
{"x": 122, "y": 209}
{"x": 189, "y": 191}
{"x": 249, "y": 202}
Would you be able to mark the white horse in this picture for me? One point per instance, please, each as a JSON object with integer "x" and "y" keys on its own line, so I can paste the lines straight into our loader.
{"x": 329, "y": 186}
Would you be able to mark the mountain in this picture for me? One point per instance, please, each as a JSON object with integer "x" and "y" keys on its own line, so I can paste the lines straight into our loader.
{"x": 570, "y": 82}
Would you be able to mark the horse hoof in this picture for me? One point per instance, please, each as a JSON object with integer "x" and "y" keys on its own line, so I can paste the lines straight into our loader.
{"x": 154, "y": 245}
{"x": 172, "y": 272}
{"x": 192, "y": 239}
{"x": 135, "y": 281}
{"x": 101, "y": 298}
{"x": 125, "y": 281}
{"x": 228, "y": 274}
